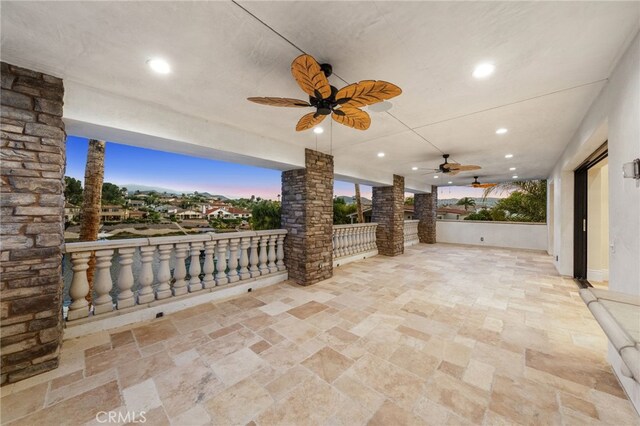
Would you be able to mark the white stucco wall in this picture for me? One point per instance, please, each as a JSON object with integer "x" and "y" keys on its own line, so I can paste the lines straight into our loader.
{"x": 495, "y": 234}
{"x": 614, "y": 116}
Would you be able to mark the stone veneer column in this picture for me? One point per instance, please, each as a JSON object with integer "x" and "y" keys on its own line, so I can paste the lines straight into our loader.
{"x": 307, "y": 213}
{"x": 388, "y": 212}
{"x": 32, "y": 221}
{"x": 425, "y": 206}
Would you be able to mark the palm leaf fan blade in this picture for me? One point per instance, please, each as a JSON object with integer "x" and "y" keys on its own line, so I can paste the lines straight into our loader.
{"x": 366, "y": 92}
{"x": 308, "y": 121}
{"x": 352, "y": 117}
{"x": 310, "y": 77}
{"x": 280, "y": 102}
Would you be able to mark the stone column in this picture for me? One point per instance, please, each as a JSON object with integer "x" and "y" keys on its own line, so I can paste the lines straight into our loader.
{"x": 425, "y": 206}
{"x": 32, "y": 221}
{"x": 388, "y": 213}
{"x": 307, "y": 213}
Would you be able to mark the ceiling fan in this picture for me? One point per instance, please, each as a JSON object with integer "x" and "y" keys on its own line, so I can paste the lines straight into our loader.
{"x": 453, "y": 168}
{"x": 477, "y": 184}
{"x": 343, "y": 104}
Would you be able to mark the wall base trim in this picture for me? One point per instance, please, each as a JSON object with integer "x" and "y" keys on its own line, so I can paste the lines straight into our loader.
{"x": 354, "y": 258}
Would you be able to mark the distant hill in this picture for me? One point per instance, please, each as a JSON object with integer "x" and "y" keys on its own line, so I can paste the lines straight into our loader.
{"x": 132, "y": 188}
{"x": 480, "y": 202}
{"x": 351, "y": 200}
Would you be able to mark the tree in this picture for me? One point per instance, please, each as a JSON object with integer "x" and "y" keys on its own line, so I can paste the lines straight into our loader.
{"x": 111, "y": 193}
{"x": 527, "y": 202}
{"x": 466, "y": 202}
{"x": 265, "y": 214}
{"x": 359, "y": 204}
{"x": 341, "y": 211}
{"x": 409, "y": 201}
{"x": 90, "y": 212}
{"x": 72, "y": 190}
{"x": 483, "y": 214}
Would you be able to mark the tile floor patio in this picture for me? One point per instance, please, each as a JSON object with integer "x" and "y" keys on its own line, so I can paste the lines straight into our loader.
{"x": 440, "y": 335}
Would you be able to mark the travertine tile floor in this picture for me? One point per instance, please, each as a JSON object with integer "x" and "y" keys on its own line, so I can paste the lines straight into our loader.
{"x": 440, "y": 335}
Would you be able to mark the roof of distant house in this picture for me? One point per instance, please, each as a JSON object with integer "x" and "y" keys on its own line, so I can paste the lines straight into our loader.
{"x": 452, "y": 210}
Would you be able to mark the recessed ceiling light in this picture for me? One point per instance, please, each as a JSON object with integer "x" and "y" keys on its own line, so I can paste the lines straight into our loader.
{"x": 381, "y": 154}
{"x": 436, "y": 177}
{"x": 159, "y": 65}
{"x": 483, "y": 70}
{"x": 318, "y": 130}
{"x": 414, "y": 168}
{"x": 449, "y": 182}
{"x": 511, "y": 169}
{"x": 508, "y": 156}
{"x": 501, "y": 131}
{"x": 515, "y": 176}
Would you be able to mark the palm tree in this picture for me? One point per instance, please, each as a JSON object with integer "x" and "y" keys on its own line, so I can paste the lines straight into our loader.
{"x": 532, "y": 187}
{"x": 90, "y": 212}
{"x": 466, "y": 202}
{"x": 359, "y": 204}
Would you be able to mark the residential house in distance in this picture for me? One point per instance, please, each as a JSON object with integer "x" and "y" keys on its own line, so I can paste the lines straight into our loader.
{"x": 70, "y": 211}
{"x": 452, "y": 213}
{"x": 227, "y": 212}
{"x": 136, "y": 204}
{"x": 113, "y": 213}
{"x": 183, "y": 214}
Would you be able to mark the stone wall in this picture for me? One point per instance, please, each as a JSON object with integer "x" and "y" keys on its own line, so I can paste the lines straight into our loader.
{"x": 388, "y": 212}
{"x": 307, "y": 213}
{"x": 32, "y": 221}
{"x": 425, "y": 206}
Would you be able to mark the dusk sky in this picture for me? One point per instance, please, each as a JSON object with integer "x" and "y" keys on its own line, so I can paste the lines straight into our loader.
{"x": 126, "y": 165}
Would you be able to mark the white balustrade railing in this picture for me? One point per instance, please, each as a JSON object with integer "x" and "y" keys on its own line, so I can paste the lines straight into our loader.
{"x": 411, "y": 232}
{"x": 351, "y": 240}
{"x": 213, "y": 260}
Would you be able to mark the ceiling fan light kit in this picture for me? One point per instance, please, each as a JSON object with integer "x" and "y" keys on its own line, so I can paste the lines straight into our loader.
{"x": 343, "y": 105}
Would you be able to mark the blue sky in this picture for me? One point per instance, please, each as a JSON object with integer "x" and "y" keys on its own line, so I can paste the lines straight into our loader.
{"x": 126, "y": 165}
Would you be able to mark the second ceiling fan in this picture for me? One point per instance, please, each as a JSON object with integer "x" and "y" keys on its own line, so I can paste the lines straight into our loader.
{"x": 453, "y": 168}
{"x": 343, "y": 105}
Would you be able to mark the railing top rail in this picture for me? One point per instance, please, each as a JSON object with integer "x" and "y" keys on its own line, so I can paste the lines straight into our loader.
{"x": 354, "y": 225}
{"x": 412, "y": 220}
{"x": 155, "y": 241}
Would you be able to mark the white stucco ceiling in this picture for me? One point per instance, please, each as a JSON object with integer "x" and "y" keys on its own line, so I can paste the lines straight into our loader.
{"x": 551, "y": 61}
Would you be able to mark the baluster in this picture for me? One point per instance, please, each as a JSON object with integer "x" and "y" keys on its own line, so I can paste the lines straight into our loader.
{"x": 280, "y": 253}
{"x": 350, "y": 245}
{"x": 271, "y": 255}
{"x": 208, "y": 267}
{"x": 374, "y": 239}
{"x": 245, "y": 242}
{"x": 233, "y": 260}
{"x": 334, "y": 242}
{"x": 343, "y": 242}
{"x": 125, "y": 278}
{"x": 194, "y": 268}
{"x": 359, "y": 240}
{"x": 221, "y": 262}
{"x": 264, "y": 269}
{"x": 102, "y": 282}
{"x": 163, "y": 287}
{"x": 371, "y": 237}
{"x": 180, "y": 271}
{"x": 79, "y": 286}
{"x": 145, "y": 280}
{"x": 254, "y": 258}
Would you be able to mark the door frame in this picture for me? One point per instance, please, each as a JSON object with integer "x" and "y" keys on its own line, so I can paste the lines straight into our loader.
{"x": 580, "y": 208}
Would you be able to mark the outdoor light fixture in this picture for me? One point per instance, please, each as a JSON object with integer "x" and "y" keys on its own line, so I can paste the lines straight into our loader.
{"x": 508, "y": 156}
{"x": 381, "y": 154}
{"x": 318, "y": 130}
{"x": 159, "y": 65}
{"x": 483, "y": 70}
{"x": 501, "y": 131}
{"x": 632, "y": 170}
